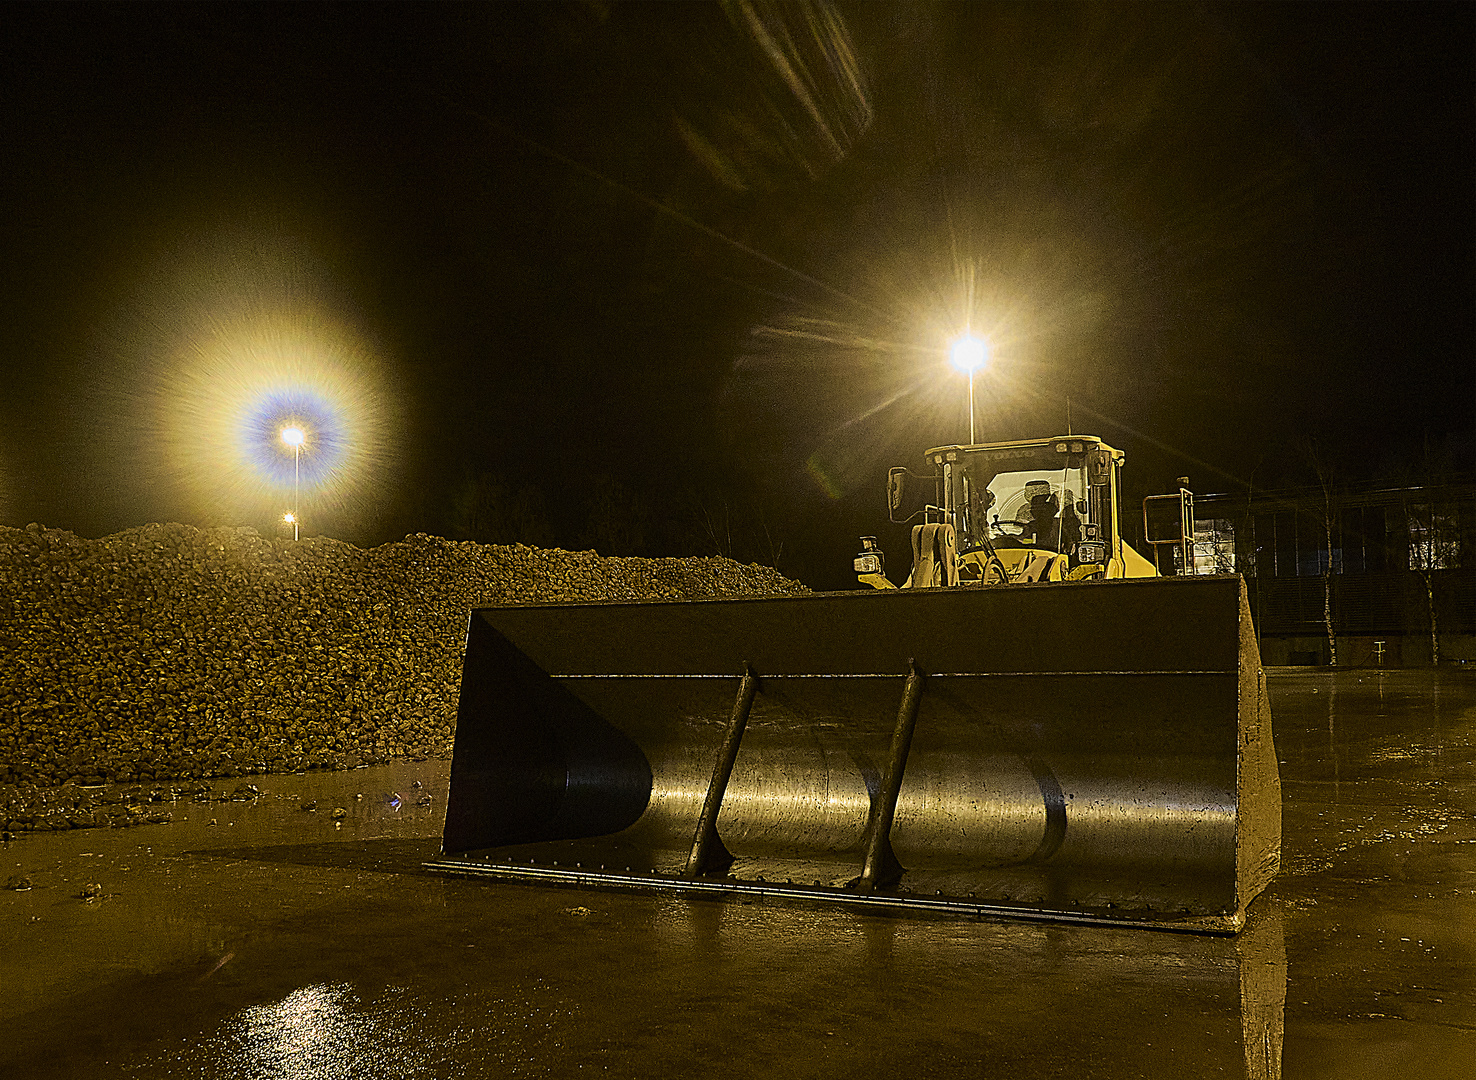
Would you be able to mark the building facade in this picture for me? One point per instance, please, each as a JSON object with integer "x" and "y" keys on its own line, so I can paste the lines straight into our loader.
{"x": 1391, "y": 571}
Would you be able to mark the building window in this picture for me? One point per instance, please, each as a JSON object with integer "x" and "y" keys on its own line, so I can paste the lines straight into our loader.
{"x": 1284, "y": 532}
{"x": 1214, "y": 546}
{"x": 1315, "y": 561}
{"x": 1354, "y": 540}
{"x": 1317, "y": 553}
{"x": 1434, "y": 537}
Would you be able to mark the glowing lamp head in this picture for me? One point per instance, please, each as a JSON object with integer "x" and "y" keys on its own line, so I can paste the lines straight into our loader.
{"x": 290, "y": 518}
{"x": 293, "y": 436}
{"x": 968, "y": 353}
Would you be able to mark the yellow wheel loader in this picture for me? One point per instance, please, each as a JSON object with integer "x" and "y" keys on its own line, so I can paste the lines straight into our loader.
{"x": 1003, "y": 513}
{"x": 1051, "y": 732}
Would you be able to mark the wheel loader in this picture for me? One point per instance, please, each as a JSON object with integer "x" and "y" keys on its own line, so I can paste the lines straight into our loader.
{"x": 1034, "y": 726}
{"x": 1006, "y": 513}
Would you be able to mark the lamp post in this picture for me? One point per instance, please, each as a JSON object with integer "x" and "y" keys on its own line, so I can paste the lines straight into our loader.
{"x": 967, "y": 354}
{"x": 293, "y": 437}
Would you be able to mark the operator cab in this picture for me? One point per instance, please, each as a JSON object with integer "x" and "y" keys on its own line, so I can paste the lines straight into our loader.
{"x": 1056, "y": 496}
{"x": 1036, "y": 495}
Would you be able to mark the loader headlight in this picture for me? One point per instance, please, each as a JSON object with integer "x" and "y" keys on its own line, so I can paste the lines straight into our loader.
{"x": 1091, "y": 551}
{"x": 868, "y": 564}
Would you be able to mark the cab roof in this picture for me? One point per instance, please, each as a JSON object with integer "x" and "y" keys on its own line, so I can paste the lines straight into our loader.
{"x": 1086, "y": 442}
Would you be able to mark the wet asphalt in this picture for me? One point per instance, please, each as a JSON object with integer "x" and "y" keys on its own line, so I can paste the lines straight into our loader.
{"x": 258, "y": 939}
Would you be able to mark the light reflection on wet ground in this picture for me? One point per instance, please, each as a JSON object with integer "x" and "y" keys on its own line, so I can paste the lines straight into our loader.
{"x": 327, "y": 1032}
{"x": 276, "y": 944}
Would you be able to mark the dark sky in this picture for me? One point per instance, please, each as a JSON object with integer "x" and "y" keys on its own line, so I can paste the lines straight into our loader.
{"x": 716, "y": 252}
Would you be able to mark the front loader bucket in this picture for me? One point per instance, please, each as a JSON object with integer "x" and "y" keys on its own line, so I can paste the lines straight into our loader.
{"x": 1096, "y": 753}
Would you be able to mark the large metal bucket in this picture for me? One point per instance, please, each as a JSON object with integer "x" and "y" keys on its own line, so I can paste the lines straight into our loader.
{"x": 1082, "y": 752}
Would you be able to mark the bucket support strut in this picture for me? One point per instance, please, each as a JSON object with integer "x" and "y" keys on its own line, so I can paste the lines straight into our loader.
{"x": 881, "y": 866}
{"x": 709, "y": 855}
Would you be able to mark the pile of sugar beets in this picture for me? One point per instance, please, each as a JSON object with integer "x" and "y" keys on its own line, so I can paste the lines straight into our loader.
{"x": 168, "y": 653}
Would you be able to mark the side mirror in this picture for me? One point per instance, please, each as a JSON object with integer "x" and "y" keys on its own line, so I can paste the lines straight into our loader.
{"x": 896, "y": 482}
{"x": 908, "y": 494}
{"x": 1099, "y": 468}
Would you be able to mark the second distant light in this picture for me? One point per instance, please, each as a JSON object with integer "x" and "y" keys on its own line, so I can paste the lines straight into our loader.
{"x": 294, "y": 437}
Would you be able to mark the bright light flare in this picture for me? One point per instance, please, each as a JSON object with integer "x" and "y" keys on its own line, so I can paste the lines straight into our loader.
{"x": 290, "y": 518}
{"x": 274, "y": 402}
{"x": 968, "y": 354}
{"x": 230, "y": 337}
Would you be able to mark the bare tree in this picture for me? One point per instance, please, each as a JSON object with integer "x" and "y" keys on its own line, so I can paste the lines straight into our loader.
{"x": 617, "y": 520}
{"x": 1434, "y": 544}
{"x": 1255, "y": 566}
{"x": 1433, "y": 528}
{"x": 717, "y": 524}
{"x": 734, "y": 526}
{"x": 772, "y": 540}
{"x": 1326, "y": 480}
{"x": 490, "y": 510}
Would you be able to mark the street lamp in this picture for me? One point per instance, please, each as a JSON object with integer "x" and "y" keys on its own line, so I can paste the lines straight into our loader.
{"x": 293, "y": 437}
{"x": 967, "y": 354}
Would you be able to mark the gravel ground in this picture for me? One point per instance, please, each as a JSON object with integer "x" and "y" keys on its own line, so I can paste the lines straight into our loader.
{"x": 170, "y": 653}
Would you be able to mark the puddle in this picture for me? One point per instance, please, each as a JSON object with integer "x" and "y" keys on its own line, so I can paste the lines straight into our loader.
{"x": 278, "y": 942}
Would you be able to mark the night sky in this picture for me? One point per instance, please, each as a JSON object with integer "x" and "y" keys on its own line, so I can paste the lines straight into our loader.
{"x": 680, "y": 278}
